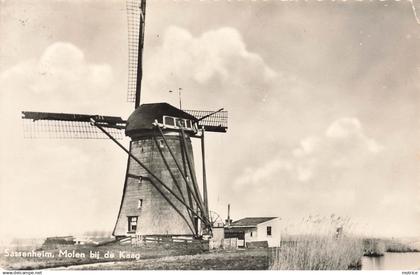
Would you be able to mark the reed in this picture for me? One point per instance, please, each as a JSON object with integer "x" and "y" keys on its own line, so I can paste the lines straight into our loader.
{"x": 323, "y": 246}
{"x": 394, "y": 246}
{"x": 374, "y": 247}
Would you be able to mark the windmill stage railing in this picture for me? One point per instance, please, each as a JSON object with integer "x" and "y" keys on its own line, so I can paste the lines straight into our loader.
{"x": 210, "y": 120}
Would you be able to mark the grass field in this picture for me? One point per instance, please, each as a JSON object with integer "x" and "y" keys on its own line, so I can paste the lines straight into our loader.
{"x": 305, "y": 255}
{"x": 152, "y": 257}
{"x": 72, "y": 257}
{"x": 253, "y": 259}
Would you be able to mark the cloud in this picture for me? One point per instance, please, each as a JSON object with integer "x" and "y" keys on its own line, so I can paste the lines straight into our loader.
{"x": 346, "y": 128}
{"x": 63, "y": 63}
{"x": 61, "y": 75}
{"x": 255, "y": 176}
{"x": 307, "y": 146}
{"x": 212, "y": 64}
{"x": 217, "y": 53}
{"x": 344, "y": 145}
{"x": 60, "y": 79}
{"x": 335, "y": 171}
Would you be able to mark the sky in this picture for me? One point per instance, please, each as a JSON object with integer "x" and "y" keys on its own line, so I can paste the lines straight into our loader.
{"x": 322, "y": 98}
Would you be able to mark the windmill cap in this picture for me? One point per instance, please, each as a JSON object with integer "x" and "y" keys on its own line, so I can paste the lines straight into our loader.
{"x": 144, "y": 116}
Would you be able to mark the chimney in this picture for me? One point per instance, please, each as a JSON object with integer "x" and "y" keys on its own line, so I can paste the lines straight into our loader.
{"x": 228, "y": 220}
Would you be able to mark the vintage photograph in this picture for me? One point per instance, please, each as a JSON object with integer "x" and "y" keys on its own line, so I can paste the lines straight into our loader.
{"x": 210, "y": 135}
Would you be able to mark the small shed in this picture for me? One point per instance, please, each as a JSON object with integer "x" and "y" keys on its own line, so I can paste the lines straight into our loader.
{"x": 255, "y": 229}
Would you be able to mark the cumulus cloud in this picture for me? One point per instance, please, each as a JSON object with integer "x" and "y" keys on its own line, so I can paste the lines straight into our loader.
{"x": 307, "y": 146}
{"x": 63, "y": 63}
{"x": 334, "y": 171}
{"x": 253, "y": 176}
{"x": 344, "y": 127}
{"x": 350, "y": 128}
{"x": 344, "y": 145}
{"x": 218, "y": 53}
{"x": 61, "y": 75}
{"x": 60, "y": 79}
{"x": 214, "y": 63}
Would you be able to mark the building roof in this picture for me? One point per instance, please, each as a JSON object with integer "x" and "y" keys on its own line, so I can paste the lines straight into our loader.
{"x": 143, "y": 117}
{"x": 251, "y": 221}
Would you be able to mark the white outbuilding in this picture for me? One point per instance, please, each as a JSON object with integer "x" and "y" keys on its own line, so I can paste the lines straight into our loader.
{"x": 255, "y": 230}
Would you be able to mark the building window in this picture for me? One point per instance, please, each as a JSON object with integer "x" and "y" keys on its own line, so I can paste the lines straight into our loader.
{"x": 176, "y": 123}
{"x": 250, "y": 233}
{"x": 169, "y": 121}
{"x": 180, "y": 122}
{"x": 132, "y": 223}
{"x": 268, "y": 230}
{"x": 161, "y": 144}
{"x": 140, "y": 204}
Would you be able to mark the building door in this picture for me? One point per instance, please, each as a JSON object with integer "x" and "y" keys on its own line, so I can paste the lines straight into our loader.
{"x": 239, "y": 235}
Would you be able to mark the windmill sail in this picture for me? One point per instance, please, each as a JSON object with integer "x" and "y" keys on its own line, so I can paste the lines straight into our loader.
{"x": 210, "y": 120}
{"x": 70, "y": 126}
{"x": 136, "y": 14}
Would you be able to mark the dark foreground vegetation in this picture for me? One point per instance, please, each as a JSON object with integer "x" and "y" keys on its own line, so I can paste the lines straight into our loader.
{"x": 149, "y": 257}
{"x": 302, "y": 252}
{"x": 252, "y": 259}
{"x": 375, "y": 247}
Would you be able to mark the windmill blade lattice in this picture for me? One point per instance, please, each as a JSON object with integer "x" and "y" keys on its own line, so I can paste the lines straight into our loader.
{"x": 213, "y": 121}
{"x": 69, "y": 126}
{"x": 135, "y": 17}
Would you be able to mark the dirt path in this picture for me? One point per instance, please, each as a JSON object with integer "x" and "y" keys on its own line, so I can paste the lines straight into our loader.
{"x": 237, "y": 260}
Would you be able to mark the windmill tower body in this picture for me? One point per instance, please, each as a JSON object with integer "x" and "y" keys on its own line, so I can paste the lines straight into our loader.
{"x": 143, "y": 209}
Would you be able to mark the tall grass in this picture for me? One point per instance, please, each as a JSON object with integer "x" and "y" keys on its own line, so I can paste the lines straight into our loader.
{"x": 318, "y": 247}
{"x": 374, "y": 247}
{"x": 399, "y": 247}
{"x": 377, "y": 247}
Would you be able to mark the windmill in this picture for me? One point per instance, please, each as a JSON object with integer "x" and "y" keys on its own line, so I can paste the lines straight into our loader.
{"x": 161, "y": 194}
